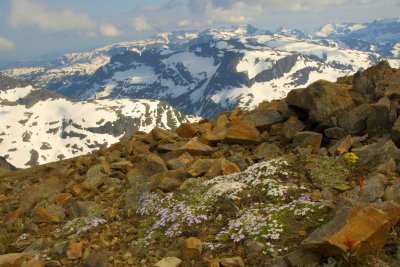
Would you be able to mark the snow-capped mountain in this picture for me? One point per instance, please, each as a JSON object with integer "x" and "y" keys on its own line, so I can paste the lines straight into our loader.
{"x": 201, "y": 73}
{"x": 39, "y": 126}
{"x": 379, "y": 36}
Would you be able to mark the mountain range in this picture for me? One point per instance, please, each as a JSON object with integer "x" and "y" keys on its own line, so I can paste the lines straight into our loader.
{"x": 39, "y": 126}
{"x": 94, "y": 98}
{"x": 206, "y": 72}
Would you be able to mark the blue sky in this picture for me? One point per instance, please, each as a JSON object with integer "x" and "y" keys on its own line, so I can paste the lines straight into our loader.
{"x": 39, "y": 28}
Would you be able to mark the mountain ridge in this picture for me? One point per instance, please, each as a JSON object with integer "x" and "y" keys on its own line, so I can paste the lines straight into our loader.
{"x": 239, "y": 66}
{"x": 51, "y": 126}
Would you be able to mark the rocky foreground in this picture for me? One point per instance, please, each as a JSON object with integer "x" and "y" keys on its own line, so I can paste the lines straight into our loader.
{"x": 310, "y": 180}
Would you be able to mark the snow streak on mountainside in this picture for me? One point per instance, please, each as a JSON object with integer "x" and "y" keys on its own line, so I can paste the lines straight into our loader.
{"x": 38, "y": 126}
{"x": 202, "y": 73}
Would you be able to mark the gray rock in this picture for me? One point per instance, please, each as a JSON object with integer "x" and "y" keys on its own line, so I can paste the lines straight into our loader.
{"x": 303, "y": 257}
{"x": 395, "y": 133}
{"x": 355, "y": 120}
{"x": 90, "y": 209}
{"x": 322, "y": 100}
{"x": 59, "y": 248}
{"x": 378, "y": 122}
{"x": 94, "y": 177}
{"x": 97, "y": 259}
{"x": 146, "y": 165}
{"x": 335, "y": 133}
{"x": 267, "y": 151}
{"x": 377, "y": 153}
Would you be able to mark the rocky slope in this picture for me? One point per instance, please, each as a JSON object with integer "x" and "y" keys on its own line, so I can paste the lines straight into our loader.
{"x": 39, "y": 126}
{"x": 309, "y": 180}
{"x": 200, "y": 73}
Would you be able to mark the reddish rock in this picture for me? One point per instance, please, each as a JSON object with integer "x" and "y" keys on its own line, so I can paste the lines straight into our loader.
{"x": 229, "y": 167}
{"x": 61, "y": 198}
{"x": 232, "y": 262}
{"x": 290, "y": 128}
{"x": 180, "y": 162}
{"x": 75, "y": 250}
{"x": 191, "y": 249}
{"x": 342, "y": 146}
{"x": 158, "y": 134}
{"x": 242, "y": 132}
{"x": 12, "y": 259}
{"x": 139, "y": 147}
{"x": 200, "y": 167}
{"x": 365, "y": 224}
{"x": 186, "y": 130}
{"x": 78, "y": 190}
{"x": 36, "y": 193}
{"x": 222, "y": 124}
{"x": 50, "y": 214}
{"x": 196, "y": 148}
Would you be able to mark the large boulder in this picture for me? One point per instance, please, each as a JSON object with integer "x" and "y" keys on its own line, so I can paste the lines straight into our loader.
{"x": 195, "y": 148}
{"x": 262, "y": 118}
{"x": 267, "y": 151}
{"x": 222, "y": 125}
{"x": 379, "y": 120}
{"x": 395, "y": 133}
{"x": 377, "y": 153}
{"x": 365, "y": 224}
{"x": 168, "y": 181}
{"x": 372, "y": 82}
{"x": 322, "y": 100}
{"x": 41, "y": 191}
{"x": 292, "y": 126}
{"x": 355, "y": 120}
{"x": 307, "y": 139}
{"x": 242, "y": 132}
{"x": 145, "y": 165}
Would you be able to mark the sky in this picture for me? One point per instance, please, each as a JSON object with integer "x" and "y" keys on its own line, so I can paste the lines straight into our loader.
{"x": 44, "y": 29}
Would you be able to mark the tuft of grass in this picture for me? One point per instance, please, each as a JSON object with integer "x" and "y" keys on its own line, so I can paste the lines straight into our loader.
{"x": 329, "y": 171}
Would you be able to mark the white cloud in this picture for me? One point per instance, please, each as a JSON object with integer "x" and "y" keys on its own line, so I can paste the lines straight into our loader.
{"x": 140, "y": 24}
{"x": 34, "y": 13}
{"x": 109, "y": 30}
{"x": 6, "y": 45}
{"x": 185, "y": 23}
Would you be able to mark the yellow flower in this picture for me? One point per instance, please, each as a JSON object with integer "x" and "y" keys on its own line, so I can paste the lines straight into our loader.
{"x": 351, "y": 158}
